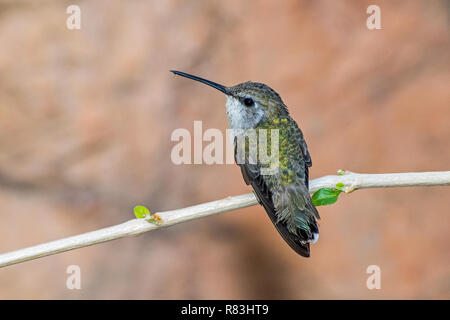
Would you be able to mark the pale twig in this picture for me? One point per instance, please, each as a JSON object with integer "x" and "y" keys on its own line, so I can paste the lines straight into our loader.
{"x": 352, "y": 181}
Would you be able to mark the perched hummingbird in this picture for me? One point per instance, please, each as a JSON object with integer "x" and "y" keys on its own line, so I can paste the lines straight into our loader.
{"x": 283, "y": 194}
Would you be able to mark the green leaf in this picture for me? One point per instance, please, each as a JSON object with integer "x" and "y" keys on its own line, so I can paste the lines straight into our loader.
{"x": 340, "y": 172}
{"x": 325, "y": 196}
{"x": 340, "y": 186}
{"x": 141, "y": 212}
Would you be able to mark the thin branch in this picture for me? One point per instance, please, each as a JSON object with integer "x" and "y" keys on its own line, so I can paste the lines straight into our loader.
{"x": 352, "y": 181}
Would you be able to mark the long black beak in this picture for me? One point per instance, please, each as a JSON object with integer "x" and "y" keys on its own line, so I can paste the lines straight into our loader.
{"x": 209, "y": 83}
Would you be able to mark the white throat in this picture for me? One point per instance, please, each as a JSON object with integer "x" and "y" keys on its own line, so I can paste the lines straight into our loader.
{"x": 240, "y": 117}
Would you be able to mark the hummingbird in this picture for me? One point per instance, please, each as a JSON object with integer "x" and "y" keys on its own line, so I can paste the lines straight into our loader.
{"x": 284, "y": 193}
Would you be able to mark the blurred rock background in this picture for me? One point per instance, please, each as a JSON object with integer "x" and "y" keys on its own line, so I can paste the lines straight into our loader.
{"x": 85, "y": 123}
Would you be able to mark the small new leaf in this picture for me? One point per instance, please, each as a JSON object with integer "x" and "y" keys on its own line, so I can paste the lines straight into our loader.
{"x": 325, "y": 196}
{"x": 141, "y": 212}
{"x": 340, "y": 186}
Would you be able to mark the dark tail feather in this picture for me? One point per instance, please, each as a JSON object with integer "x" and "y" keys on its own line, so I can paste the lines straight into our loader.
{"x": 251, "y": 176}
{"x": 292, "y": 240}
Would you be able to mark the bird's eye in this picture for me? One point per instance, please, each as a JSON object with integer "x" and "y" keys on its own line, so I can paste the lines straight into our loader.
{"x": 249, "y": 102}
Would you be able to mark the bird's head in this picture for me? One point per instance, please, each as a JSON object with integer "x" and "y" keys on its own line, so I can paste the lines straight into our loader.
{"x": 248, "y": 103}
